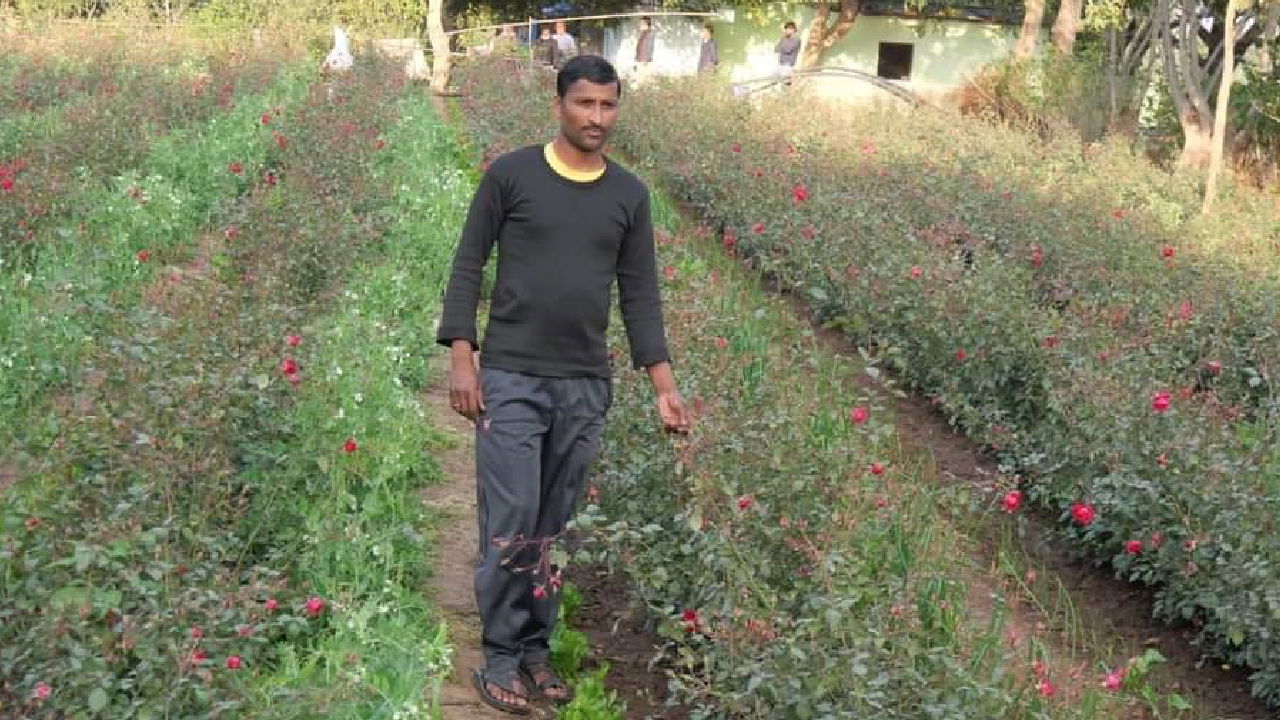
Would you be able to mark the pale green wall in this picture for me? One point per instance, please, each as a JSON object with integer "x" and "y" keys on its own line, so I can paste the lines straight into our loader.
{"x": 946, "y": 51}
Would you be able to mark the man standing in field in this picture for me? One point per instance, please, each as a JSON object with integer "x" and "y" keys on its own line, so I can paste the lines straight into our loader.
{"x": 708, "y": 54}
{"x": 788, "y": 49}
{"x": 566, "y": 44}
{"x": 644, "y": 48}
{"x": 567, "y": 222}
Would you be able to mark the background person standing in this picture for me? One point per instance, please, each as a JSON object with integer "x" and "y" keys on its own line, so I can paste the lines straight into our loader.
{"x": 709, "y": 54}
{"x": 644, "y": 48}
{"x": 788, "y": 49}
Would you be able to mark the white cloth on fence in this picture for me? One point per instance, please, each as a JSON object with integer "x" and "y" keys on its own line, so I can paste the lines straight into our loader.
{"x": 339, "y": 58}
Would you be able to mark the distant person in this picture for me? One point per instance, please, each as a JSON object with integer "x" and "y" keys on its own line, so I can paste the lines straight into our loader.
{"x": 709, "y": 54}
{"x": 505, "y": 41}
{"x": 788, "y": 49}
{"x": 644, "y": 48}
{"x": 547, "y": 47}
{"x": 566, "y": 45}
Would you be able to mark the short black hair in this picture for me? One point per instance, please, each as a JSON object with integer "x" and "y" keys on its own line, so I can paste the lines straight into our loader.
{"x": 790, "y": 25}
{"x": 591, "y": 68}
{"x": 710, "y": 30}
{"x": 647, "y": 20}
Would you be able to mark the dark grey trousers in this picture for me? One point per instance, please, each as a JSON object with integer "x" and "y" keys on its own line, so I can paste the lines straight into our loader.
{"x": 534, "y": 445}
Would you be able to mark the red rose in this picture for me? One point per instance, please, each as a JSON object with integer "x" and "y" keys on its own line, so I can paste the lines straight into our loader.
{"x": 1083, "y": 513}
{"x": 1011, "y": 501}
{"x": 1160, "y": 401}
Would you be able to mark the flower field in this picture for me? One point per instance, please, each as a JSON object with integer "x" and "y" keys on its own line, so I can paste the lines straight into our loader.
{"x": 211, "y": 321}
{"x": 219, "y": 273}
{"x": 793, "y": 532}
{"x": 1069, "y": 310}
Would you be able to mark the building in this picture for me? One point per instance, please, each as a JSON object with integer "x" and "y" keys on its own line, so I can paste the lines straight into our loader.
{"x": 931, "y": 51}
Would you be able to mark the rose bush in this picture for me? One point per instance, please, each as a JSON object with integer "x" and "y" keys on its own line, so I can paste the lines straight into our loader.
{"x": 1069, "y": 310}
{"x": 197, "y": 536}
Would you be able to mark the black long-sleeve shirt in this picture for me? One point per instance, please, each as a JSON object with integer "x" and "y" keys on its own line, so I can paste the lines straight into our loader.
{"x": 561, "y": 243}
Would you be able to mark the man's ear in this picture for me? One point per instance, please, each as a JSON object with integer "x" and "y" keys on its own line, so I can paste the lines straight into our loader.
{"x": 557, "y": 106}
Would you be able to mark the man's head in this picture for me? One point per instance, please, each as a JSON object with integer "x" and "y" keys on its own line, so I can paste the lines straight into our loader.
{"x": 789, "y": 29}
{"x": 586, "y": 104}
{"x": 645, "y": 23}
{"x": 707, "y": 32}
{"x": 560, "y": 27}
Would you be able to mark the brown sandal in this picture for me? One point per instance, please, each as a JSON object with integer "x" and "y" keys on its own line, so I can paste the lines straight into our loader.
{"x": 482, "y": 683}
{"x": 529, "y": 673}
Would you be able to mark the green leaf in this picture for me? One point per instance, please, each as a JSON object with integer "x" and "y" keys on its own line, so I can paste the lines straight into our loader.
{"x": 1177, "y": 702}
{"x": 97, "y": 699}
{"x": 69, "y": 597}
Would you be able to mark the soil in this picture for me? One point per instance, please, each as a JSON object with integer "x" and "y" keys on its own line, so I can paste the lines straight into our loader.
{"x": 617, "y": 633}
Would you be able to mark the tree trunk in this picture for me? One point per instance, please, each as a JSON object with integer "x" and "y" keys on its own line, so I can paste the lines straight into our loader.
{"x": 1222, "y": 107}
{"x": 1197, "y": 144}
{"x": 823, "y": 35}
{"x": 1065, "y": 26}
{"x": 441, "y": 58}
{"x": 1030, "y": 35}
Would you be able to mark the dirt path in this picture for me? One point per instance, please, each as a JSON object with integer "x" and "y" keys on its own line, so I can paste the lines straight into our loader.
{"x": 455, "y": 548}
{"x": 617, "y": 635}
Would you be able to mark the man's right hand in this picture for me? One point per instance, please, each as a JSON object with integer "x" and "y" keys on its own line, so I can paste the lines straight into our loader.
{"x": 465, "y": 394}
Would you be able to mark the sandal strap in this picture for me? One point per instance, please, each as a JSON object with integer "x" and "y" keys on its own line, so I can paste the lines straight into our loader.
{"x": 553, "y": 681}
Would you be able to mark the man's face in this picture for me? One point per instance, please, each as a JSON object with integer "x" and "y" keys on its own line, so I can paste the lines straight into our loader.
{"x": 587, "y": 113}
{"x": 788, "y": 31}
{"x": 559, "y": 28}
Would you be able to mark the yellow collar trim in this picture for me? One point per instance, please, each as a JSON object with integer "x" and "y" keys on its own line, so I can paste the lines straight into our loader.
{"x": 566, "y": 172}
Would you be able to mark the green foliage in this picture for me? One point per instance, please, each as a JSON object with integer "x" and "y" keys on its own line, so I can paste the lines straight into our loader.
{"x": 1044, "y": 298}
{"x": 569, "y": 648}
{"x": 192, "y": 539}
{"x": 592, "y": 701}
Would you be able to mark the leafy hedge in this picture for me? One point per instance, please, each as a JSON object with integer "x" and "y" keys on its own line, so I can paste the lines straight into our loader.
{"x": 1067, "y": 308}
{"x": 226, "y": 519}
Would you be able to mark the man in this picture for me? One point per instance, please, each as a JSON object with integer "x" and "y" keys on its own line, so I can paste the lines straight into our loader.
{"x": 708, "y": 55}
{"x": 547, "y": 47}
{"x": 644, "y": 48}
{"x": 566, "y": 45}
{"x": 788, "y": 49}
{"x": 567, "y": 221}
{"x": 505, "y": 41}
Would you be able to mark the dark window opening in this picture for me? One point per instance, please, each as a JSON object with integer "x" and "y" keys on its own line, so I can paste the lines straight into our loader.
{"x": 894, "y": 62}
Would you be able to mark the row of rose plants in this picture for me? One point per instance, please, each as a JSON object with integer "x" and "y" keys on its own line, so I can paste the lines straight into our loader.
{"x": 76, "y": 247}
{"x": 55, "y": 67}
{"x": 797, "y": 562}
{"x": 227, "y": 519}
{"x": 1068, "y": 309}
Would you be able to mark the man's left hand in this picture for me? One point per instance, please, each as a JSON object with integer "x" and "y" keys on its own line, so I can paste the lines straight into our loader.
{"x": 675, "y": 415}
